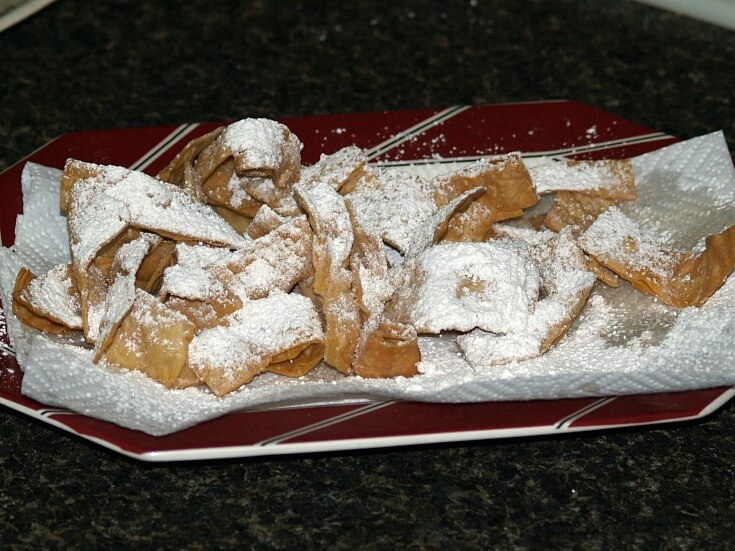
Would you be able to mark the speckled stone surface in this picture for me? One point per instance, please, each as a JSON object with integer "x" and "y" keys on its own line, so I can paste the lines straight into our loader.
{"x": 81, "y": 65}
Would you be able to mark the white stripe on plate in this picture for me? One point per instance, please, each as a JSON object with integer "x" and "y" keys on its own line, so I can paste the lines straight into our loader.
{"x": 163, "y": 146}
{"x": 414, "y": 130}
{"x": 599, "y": 146}
{"x": 569, "y": 419}
{"x": 325, "y": 423}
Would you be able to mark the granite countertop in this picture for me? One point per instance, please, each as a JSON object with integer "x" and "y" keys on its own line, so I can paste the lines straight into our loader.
{"x": 81, "y": 65}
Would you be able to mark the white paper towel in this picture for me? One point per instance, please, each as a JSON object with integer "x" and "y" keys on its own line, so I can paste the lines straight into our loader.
{"x": 624, "y": 342}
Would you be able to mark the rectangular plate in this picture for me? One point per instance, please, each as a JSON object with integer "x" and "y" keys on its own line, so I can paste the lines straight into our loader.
{"x": 455, "y": 134}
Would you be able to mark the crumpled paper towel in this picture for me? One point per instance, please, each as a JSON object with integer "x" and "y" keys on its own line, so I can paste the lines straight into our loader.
{"x": 623, "y": 343}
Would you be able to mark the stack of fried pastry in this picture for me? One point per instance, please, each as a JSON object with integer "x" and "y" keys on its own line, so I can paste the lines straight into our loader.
{"x": 236, "y": 260}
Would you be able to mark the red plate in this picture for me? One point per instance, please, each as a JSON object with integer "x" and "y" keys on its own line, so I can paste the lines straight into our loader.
{"x": 560, "y": 128}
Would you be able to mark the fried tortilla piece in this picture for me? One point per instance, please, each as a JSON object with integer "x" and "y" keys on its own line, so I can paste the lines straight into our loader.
{"x": 238, "y": 222}
{"x": 222, "y": 188}
{"x": 333, "y": 281}
{"x": 199, "y": 255}
{"x": 509, "y": 190}
{"x": 192, "y": 185}
{"x": 150, "y": 273}
{"x": 297, "y": 361}
{"x": 74, "y": 171}
{"x": 110, "y": 287}
{"x": 266, "y": 220}
{"x": 103, "y": 206}
{"x": 610, "y": 179}
{"x": 258, "y": 148}
{"x": 111, "y": 207}
{"x": 150, "y": 338}
{"x": 677, "y": 278}
{"x": 466, "y": 285}
{"x": 186, "y": 379}
{"x": 340, "y": 170}
{"x": 607, "y": 276}
{"x": 266, "y": 192}
{"x": 49, "y": 303}
{"x": 203, "y": 295}
{"x": 398, "y": 308}
{"x": 54, "y": 295}
{"x": 175, "y": 171}
{"x": 572, "y": 208}
{"x": 93, "y": 286}
{"x": 565, "y": 286}
{"x": 275, "y": 262}
{"x": 385, "y": 348}
{"x": 281, "y": 331}
{"x": 392, "y": 204}
{"x": 389, "y": 350}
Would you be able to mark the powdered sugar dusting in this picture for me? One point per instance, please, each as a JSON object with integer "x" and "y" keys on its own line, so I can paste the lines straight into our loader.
{"x": 575, "y": 176}
{"x": 54, "y": 293}
{"x": 614, "y": 235}
{"x": 259, "y": 141}
{"x": 261, "y": 329}
{"x": 468, "y": 285}
{"x": 393, "y": 204}
{"x": 199, "y": 256}
{"x": 104, "y": 205}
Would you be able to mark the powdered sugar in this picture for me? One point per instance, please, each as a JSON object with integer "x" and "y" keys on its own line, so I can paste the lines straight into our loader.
{"x": 468, "y": 285}
{"x": 199, "y": 256}
{"x": 335, "y": 169}
{"x": 260, "y": 142}
{"x": 393, "y": 204}
{"x": 190, "y": 282}
{"x": 261, "y": 329}
{"x": 614, "y": 235}
{"x": 54, "y": 293}
{"x": 104, "y": 205}
{"x": 576, "y": 176}
{"x": 328, "y": 212}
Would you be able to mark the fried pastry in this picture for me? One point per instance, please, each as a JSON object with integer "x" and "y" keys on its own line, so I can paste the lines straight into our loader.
{"x": 610, "y": 179}
{"x": 48, "y": 303}
{"x": 677, "y": 278}
{"x": 266, "y": 220}
{"x": 465, "y": 285}
{"x": 150, "y": 338}
{"x": 398, "y": 307}
{"x": 280, "y": 332}
{"x": 565, "y": 287}
{"x": 392, "y": 204}
{"x": 509, "y": 190}
{"x": 203, "y": 295}
{"x": 333, "y": 281}
{"x": 117, "y": 291}
{"x": 385, "y": 348}
{"x": 176, "y": 171}
{"x": 576, "y": 209}
{"x": 340, "y": 170}
{"x": 275, "y": 262}
{"x": 258, "y": 148}
{"x": 263, "y": 190}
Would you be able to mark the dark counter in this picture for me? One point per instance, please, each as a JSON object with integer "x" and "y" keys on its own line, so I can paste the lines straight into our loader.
{"x": 82, "y": 65}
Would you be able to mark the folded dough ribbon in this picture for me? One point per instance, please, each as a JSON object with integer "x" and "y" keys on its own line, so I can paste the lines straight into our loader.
{"x": 509, "y": 190}
{"x": 565, "y": 286}
{"x": 386, "y": 348}
{"x": 49, "y": 302}
{"x": 677, "y": 278}
{"x": 340, "y": 170}
{"x": 333, "y": 281}
{"x": 281, "y": 333}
